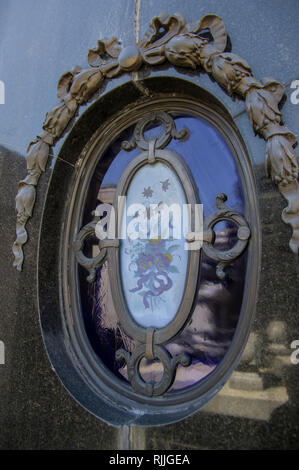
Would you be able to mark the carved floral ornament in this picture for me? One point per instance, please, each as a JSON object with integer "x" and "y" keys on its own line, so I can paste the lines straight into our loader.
{"x": 181, "y": 45}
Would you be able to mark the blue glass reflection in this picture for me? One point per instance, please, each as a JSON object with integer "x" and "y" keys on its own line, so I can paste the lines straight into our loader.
{"x": 211, "y": 327}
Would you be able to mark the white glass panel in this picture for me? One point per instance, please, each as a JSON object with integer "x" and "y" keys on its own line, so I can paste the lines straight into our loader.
{"x": 153, "y": 270}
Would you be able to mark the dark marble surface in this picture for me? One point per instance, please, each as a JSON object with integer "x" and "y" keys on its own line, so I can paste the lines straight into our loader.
{"x": 41, "y": 40}
{"x": 277, "y": 301}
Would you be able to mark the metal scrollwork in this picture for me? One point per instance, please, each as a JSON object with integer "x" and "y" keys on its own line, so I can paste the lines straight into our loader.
{"x": 169, "y": 365}
{"x": 170, "y": 132}
{"x": 91, "y": 264}
{"x": 152, "y": 340}
{"x": 225, "y": 257}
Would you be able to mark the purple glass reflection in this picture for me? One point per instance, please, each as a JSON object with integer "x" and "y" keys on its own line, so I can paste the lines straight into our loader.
{"x": 211, "y": 327}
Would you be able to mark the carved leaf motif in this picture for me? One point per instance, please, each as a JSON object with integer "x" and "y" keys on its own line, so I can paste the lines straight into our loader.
{"x": 172, "y": 25}
{"x": 107, "y": 48}
{"x": 281, "y": 160}
{"x": 65, "y": 82}
{"x": 85, "y": 84}
{"x": 37, "y": 156}
{"x": 230, "y": 70}
{"x": 58, "y": 118}
{"x": 25, "y": 200}
{"x": 185, "y": 50}
{"x": 218, "y": 31}
{"x": 217, "y": 28}
{"x": 275, "y": 89}
{"x": 262, "y": 104}
{"x": 152, "y": 46}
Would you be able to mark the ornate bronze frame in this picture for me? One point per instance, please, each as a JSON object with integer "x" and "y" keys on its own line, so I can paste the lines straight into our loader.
{"x": 181, "y": 45}
{"x": 151, "y": 339}
{"x": 69, "y": 348}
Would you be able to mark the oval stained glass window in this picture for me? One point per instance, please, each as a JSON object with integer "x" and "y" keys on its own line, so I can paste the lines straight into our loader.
{"x": 153, "y": 305}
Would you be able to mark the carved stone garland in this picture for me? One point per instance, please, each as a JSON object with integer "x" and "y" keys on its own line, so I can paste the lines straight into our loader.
{"x": 181, "y": 45}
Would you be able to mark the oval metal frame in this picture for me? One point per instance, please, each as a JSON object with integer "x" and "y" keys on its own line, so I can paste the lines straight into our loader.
{"x": 77, "y": 365}
{"x": 176, "y": 163}
{"x": 102, "y": 376}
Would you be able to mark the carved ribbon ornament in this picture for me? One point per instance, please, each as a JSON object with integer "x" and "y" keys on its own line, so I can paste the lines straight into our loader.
{"x": 181, "y": 45}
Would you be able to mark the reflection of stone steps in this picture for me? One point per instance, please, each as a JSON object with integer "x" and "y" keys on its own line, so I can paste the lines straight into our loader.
{"x": 152, "y": 372}
{"x": 251, "y": 404}
{"x": 258, "y": 387}
{"x": 251, "y": 381}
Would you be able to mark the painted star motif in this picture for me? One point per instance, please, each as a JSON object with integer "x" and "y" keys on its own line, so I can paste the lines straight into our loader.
{"x": 148, "y": 192}
{"x": 165, "y": 185}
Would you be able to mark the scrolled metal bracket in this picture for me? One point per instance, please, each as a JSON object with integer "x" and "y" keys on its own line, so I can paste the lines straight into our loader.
{"x": 223, "y": 257}
{"x": 91, "y": 264}
{"x": 160, "y": 353}
{"x": 170, "y": 132}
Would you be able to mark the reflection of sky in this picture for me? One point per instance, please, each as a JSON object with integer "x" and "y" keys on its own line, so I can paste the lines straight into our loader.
{"x": 210, "y": 162}
{"x": 117, "y": 167}
{"x": 208, "y": 157}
